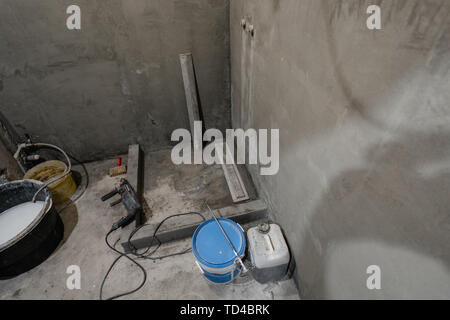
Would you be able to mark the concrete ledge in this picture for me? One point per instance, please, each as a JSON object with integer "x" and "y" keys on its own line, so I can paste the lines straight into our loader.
{"x": 184, "y": 227}
{"x": 135, "y": 175}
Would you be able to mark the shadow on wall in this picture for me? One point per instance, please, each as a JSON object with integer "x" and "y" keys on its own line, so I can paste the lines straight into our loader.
{"x": 431, "y": 42}
{"x": 402, "y": 202}
{"x": 399, "y": 203}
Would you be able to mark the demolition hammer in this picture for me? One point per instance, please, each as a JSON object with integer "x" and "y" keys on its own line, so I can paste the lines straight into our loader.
{"x": 130, "y": 202}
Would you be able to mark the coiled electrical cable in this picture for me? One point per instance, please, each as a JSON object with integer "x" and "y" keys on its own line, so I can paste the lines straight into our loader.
{"x": 145, "y": 255}
{"x": 121, "y": 255}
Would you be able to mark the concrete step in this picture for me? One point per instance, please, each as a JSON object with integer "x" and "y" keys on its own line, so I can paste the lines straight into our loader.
{"x": 185, "y": 227}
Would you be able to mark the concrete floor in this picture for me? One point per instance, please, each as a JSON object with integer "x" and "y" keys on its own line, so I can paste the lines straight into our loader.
{"x": 168, "y": 190}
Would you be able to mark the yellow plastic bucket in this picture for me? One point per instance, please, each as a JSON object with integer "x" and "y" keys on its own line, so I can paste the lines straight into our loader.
{"x": 61, "y": 190}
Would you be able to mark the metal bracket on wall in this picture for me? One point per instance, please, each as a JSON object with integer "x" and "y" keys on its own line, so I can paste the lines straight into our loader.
{"x": 8, "y": 134}
{"x": 135, "y": 175}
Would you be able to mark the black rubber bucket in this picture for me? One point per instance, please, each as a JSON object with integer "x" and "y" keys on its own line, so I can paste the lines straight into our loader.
{"x": 34, "y": 243}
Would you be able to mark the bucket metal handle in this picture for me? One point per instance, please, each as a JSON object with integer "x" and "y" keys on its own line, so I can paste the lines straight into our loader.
{"x": 198, "y": 265}
{"x": 244, "y": 268}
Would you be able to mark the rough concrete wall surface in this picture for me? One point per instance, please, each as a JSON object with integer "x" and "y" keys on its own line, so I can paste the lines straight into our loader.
{"x": 117, "y": 81}
{"x": 8, "y": 165}
{"x": 364, "y": 119}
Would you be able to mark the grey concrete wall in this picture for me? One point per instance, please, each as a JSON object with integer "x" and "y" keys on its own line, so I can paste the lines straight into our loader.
{"x": 118, "y": 80}
{"x": 364, "y": 119}
{"x": 8, "y": 166}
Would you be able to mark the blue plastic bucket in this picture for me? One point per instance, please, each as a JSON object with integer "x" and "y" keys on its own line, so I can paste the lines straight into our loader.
{"x": 214, "y": 256}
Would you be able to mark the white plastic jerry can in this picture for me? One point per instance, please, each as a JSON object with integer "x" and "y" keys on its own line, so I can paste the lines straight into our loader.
{"x": 268, "y": 252}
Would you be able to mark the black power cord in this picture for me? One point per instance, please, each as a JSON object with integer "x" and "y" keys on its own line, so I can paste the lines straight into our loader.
{"x": 121, "y": 255}
{"x": 145, "y": 255}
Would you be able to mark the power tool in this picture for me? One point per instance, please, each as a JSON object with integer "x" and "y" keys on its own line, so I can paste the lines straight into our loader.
{"x": 129, "y": 200}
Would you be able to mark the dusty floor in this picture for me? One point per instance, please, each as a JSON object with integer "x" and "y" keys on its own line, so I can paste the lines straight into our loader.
{"x": 169, "y": 190}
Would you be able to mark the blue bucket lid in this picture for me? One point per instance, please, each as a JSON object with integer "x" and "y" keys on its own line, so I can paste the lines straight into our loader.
{"x": 211, "y": 248}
